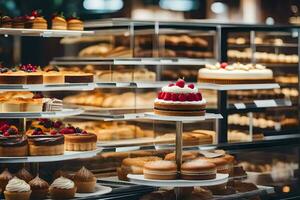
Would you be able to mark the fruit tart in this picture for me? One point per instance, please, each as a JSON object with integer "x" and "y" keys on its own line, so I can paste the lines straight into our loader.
{"x": 46, "y": 125}
{"x": 77, "y": 139}
{"x": 180, "y": 99}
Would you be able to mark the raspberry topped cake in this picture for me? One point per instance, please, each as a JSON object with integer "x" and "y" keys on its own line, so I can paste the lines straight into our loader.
{"x": 236, "y": 73}
{"x": 180, "y": 99}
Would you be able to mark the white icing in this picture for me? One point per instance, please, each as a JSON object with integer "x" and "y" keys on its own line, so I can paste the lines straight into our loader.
{"x": 62, "y": 183}
{"x": 202, "y": 102}
{"x": 235, "y": 74}
{"x": 176, "y": 89}
{"x": 17, "y": 185}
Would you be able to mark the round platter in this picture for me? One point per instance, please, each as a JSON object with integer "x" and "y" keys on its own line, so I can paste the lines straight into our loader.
{"x": 68, "y": 155}
{"x": 99, "y": 190}
{"x": 52, "y": 114}
{"x": 140, "y": 180}
{"x": 151, "y": 115}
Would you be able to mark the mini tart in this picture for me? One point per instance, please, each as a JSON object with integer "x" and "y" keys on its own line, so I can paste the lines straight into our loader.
{"x": 5, "y": 176}
{"x": 23, "y": 174}
{"x": 77, "y": 77}
{"x": 134, "y": 166}
{"x": 44, "y": 145}
{"x": 13, "y": 146}
{"x": 160, "y": 170}
{"x": 223, "y": 166}
{"x": 39, "y": 188}
{"x": 59, "y": 23}
{"x": 80, "y": 142}
{"x": 39, "y": 23}
{"x": 17, "y": 189}
{"x": 62, "y": 188}
{"x": 53, "y": 77}
{"x": 85, "y": 181}
{"x": 198, "y": 170}
{"x": 75, "y": 25}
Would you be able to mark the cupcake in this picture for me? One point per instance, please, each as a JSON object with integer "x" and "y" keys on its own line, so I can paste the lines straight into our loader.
{"x": 62, "y": 173}
{"x": 5, "y": 176}
{"x": 17, "y": 189}
{"x": 59, "y": 22}
{"x": 62, "y": 188}
{"x": 39, "y": 188}
{"x": 24, "y": 175}
{"x": 85, "y": 181}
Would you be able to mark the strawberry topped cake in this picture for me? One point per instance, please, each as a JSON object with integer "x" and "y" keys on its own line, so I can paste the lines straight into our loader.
{"x": 180, "y": 99}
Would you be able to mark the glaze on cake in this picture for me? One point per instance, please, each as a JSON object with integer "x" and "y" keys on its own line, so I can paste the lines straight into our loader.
{"x": 180, "y": 99}
{"x": 224, "y": 73}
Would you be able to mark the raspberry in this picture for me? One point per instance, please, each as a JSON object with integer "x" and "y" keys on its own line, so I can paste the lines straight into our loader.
{"x": 182, "y": 97}
{"x": 224, "y": 65}
{"x": 199, "y": 96}
{"x": 160, "y": 95}
{"x": 191, "y": 97}
{"x": 53, "y": 132}
{"x": 6, "y": 134}
{"x": 171, "y": 84}
{"x": 192, "y": 86}
{"x": 174, "y": 97}
{"x": 180, "y": 83}
{"x": 57, "y": 124}
{"x": 167, "y": 96}
{"x": 83, "y": 132}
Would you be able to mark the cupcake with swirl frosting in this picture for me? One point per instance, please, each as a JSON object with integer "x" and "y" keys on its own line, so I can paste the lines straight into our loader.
{"x": 17, "y": 189}
{"x": 39, "y": 188}
{"x": 5, "y": 176}
{"x": 85, "y": 181}
{"x": 62, "y": 188}
{"x": 24, "y": 175}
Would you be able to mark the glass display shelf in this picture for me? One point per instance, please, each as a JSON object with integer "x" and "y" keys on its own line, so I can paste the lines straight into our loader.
{"x": 48, "y": 87}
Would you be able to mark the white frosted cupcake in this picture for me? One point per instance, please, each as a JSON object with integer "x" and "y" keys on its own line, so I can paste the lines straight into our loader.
{"x": 17, "y": 189}
{"x": 62, "y": 188}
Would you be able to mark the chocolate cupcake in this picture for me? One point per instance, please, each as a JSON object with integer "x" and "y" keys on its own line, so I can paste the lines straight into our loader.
{"x": 24, "y": 175}
{"x": 5, "y": 176}
{"x": 85, "y": 181}
{"x": 39, "y": 188}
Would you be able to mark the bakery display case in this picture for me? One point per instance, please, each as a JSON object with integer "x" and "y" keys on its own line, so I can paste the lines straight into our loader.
{"x": 243, "y": 145}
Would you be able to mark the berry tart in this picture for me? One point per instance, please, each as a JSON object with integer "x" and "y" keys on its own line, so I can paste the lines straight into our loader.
{"x": 46, "y": 125}
{"x": 77, "y": 139}
{"x": 237, "y": 73}
{"x": 75, "y": 24}
{"x": 59, "y": 22}
{"x": 180, "y": 99}
{"x": 12, "y": 143}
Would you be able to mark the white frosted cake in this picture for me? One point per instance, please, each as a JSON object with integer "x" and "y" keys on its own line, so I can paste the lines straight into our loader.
{"x": 224, "y": 73}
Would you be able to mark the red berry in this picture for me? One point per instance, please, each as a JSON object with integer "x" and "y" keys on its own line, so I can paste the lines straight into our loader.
{"x": 199, "y": 96}
{"x": 171, "y": 84}
{"x": 192, "y": 86}
{"x": 160, "y": 95}
{"x": 224, "y": 65}
{"x": 190, "y": 97}
{"x": 167, "y": 96}
{"x": 174, "y": 97}
{"x": 180, "y": 83}
{"x": 182, "y": 97}
{"x": 6, "y": 134}
{"x": 83, "y": 132}
{"x": 53, "y": 132}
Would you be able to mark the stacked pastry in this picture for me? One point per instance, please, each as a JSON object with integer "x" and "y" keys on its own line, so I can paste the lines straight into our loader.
{"x": 111, "y": 100}
{"x": 105, "y": 51}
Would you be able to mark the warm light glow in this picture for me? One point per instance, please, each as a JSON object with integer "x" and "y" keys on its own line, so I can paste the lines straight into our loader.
{"x": 218, "y": 7}
{"x": 103, "y": 5}
{"x": 178, "y": 5}
{"x": 270, "y": 21}
{"x": 286, "y": 189}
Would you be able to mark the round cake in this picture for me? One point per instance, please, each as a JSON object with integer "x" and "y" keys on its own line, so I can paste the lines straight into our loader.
{"x": 237, "y": 73}
{"x": 180, "y": 99}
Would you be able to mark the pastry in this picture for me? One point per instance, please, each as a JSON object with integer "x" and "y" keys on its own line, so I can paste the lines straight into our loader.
{"x": 52, "y": 104}
{"x": 6, "y": 22}
{"x": 222, "y": 164}
{"x": 75, "y": 24}
{"x": 46, "y": 126}
{"x": 13, "y": 145}
{"x": 24, "y": 175}
{"x": 32, "y": 105}
{"x": 59, "y": 23}
{"x": 134, "y": 166}
{"x": 198, "y": 170}
{"x": 8, "y": 76}
{"x": 53, "y": 77}
{"x": 223, "y": 73}
{"x": 19, "y": 22}
{"x": 41, "y": 144}
{"x": 78, "y": 77}
{"x": 39, "y": 188}
{"x": 5, "y": 176}
{"x": 39, "y": 23}
{"x": 62, "y": 188}
{"x": 160, "y": 170}
{"x": 77, "y": 139}
{"x": 17, "y": 189}
{"x": 85, "y": 181}
{"x": 186, "y": 156}
{"x": 180, "y": 99}
{"x": 33, "y": 76}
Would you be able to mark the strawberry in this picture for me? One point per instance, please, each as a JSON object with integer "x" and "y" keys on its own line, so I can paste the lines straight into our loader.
{"x": 53, "y": 132}
{"x": 199, "y": 96}
{"x": 167, "y": 96}
{"x": 160, "y": 95}
{"x": 224, "y": 65}
{"x": 190, "y": 97}
{"x": 174, "y": 97}
{"x": 192, "y": 86}
{"x": 171, "y": 84}
{"x": 182, "y": 97}
{"x": 180, "y": 83}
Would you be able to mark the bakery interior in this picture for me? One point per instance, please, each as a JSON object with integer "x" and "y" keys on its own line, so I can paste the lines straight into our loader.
{"x": 79, "y": 81}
